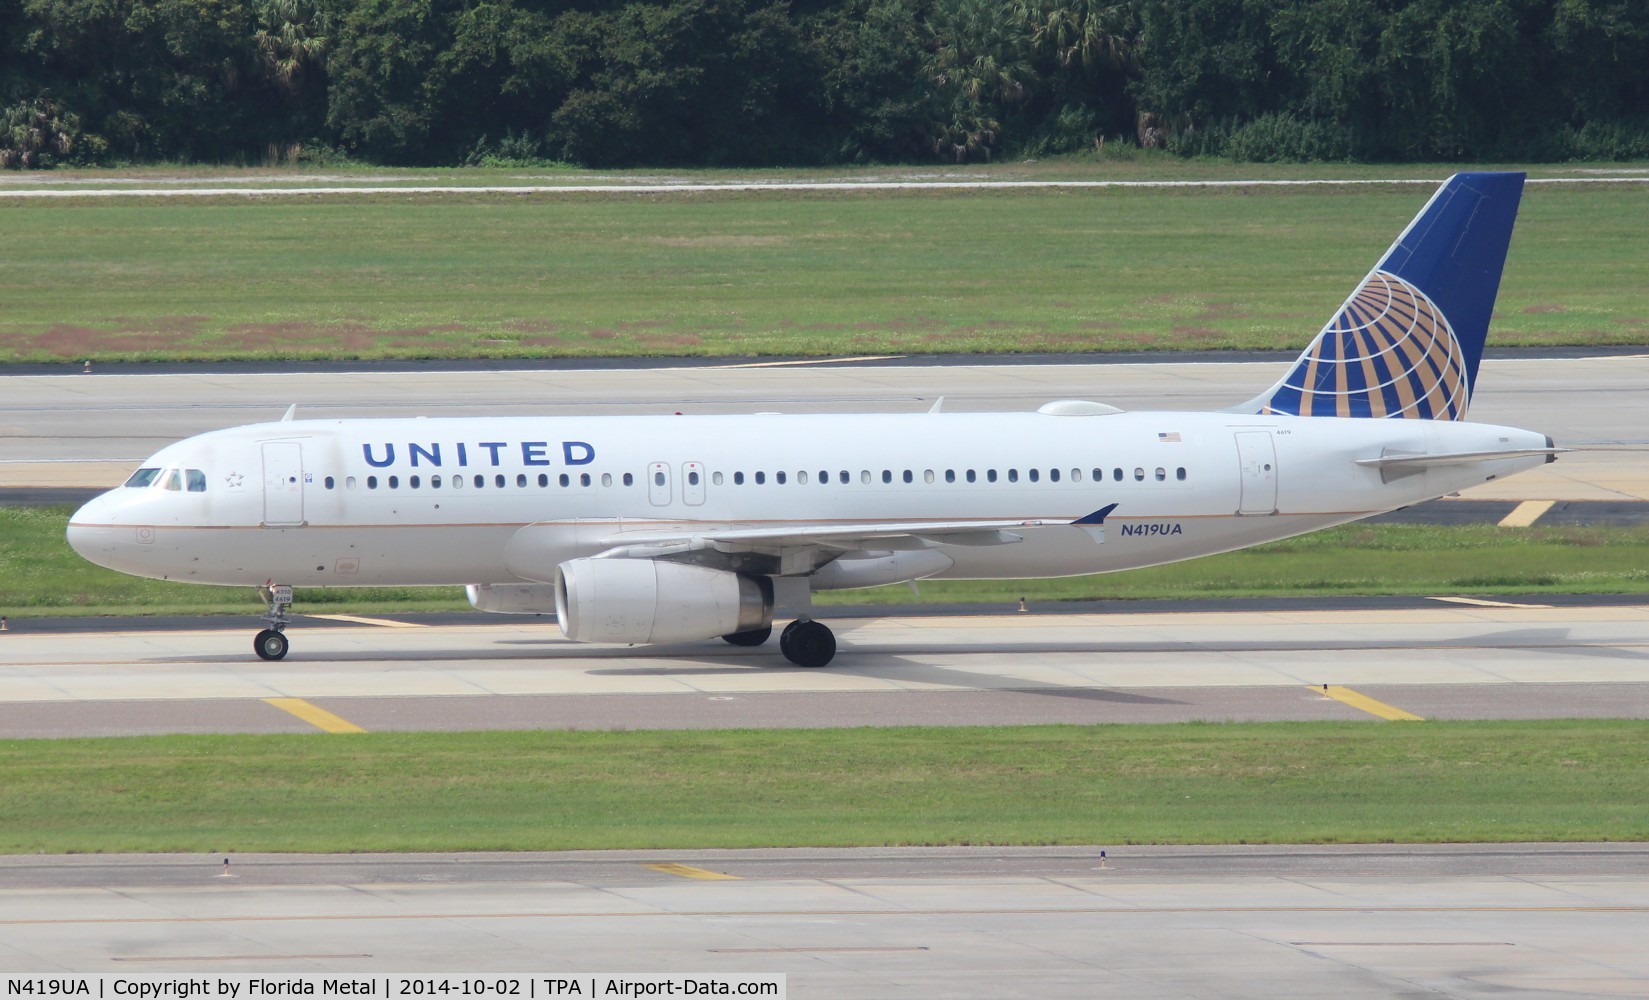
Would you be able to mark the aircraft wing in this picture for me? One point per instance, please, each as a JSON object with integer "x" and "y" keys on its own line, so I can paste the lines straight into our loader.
{"x": 795, "y": 546}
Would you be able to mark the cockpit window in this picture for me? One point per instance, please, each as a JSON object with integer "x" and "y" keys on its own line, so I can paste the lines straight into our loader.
{"x": 174, "y": 480}
{"x": 142, "y": 478}
{"x": 196, "y": 479}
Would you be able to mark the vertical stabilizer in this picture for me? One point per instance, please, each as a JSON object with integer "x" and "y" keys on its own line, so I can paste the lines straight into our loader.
{"x": 1408, "y": 341}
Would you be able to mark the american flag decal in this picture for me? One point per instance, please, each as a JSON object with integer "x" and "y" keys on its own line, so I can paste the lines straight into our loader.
{"x": 1171, "y": 436}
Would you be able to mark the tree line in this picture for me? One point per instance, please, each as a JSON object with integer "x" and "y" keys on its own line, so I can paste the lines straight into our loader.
{"x": 749, "y": 82}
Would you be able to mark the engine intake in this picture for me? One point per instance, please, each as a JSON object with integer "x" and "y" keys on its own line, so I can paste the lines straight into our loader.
{"x": 651, "y": 600}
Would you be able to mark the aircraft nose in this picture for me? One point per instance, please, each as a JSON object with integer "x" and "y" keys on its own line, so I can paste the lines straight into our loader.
{"x": 91, "y": 530}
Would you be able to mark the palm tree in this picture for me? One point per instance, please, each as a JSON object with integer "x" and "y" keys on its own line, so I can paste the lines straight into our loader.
{"x": 980, "y": 64}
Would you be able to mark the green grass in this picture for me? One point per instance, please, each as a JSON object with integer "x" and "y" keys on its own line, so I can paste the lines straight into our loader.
{"x": 1189, "y": 783}
{"x": 41, "y": 575}
{"x": 815, "y": 273}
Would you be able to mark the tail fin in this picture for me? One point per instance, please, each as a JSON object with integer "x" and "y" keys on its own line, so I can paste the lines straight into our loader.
{"x": 1408, "y": 340}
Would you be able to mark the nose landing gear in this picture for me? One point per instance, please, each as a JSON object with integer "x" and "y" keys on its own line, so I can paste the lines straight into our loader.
{"x": 271, "y": 643}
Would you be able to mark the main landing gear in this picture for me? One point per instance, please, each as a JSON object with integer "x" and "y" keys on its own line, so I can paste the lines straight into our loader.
{"x": 271, "y": 643}
{"x": 804, "y": 642}
{"x": 807, "y": 643}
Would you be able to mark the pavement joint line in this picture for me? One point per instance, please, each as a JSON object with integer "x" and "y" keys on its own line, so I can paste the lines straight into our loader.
{"x": 889, "y": 911}
{"x": 1526, "y": 513}
{"x": 1364, "y": 703}
{"x": 316, "y": 716}
{"x": 359, "y": 620}
{"x": 688, "y": 871}
{"x": 1478, "y": 602}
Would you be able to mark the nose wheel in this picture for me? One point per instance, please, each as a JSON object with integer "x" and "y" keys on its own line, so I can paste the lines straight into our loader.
{"x": 271, "y": 643}
{"x": 807, "y": 643}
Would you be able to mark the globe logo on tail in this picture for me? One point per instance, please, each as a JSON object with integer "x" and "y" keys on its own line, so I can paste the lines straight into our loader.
{"x": 1389, "y": 352}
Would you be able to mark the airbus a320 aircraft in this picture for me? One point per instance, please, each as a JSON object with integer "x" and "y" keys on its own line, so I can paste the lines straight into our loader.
{"x": 649, "y": 529}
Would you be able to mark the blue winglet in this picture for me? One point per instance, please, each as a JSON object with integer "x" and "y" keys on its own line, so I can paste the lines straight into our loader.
{"x": 1097, "y": 517}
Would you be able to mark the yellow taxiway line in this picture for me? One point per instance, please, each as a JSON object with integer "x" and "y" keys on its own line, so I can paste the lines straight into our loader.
{"x": 358, "y": 620}
{"x": 1526, "y": 513}
{"x": 688, "y": 871}
{"x": 316, "y": 716}
{"x": 1364, "y": 703}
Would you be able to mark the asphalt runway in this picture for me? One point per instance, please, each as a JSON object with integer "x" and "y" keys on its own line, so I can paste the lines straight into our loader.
{"x": 1558, "y": 920}
{"x": 90, "y": 431}
{"x": 1446, "y": 661}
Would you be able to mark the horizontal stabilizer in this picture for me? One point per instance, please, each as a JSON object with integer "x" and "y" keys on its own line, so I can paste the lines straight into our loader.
{"x": 1417, "y": 461}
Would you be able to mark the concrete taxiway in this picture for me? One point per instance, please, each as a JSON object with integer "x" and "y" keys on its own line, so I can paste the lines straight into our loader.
{"x": 1449, "y": 661}
{"x": 88, "y": 431}
{"x": 1348, "y": 921}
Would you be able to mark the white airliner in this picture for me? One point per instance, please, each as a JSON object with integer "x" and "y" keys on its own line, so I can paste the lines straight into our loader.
{"x": 675, "y": 528}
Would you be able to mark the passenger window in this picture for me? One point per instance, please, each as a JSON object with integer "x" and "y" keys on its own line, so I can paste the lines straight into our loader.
{"x": 801, "y": 479}
{"x": 498, "y": 480}
{"x": 197, "y": 481}
{"x": 907, "y": 476}
{"x": 844, "y": 478}
{"x": 1099, "y": 475}
{"x": 457, "y": 482}
{"x": 1139, "y": 474}
{"x": 887, "y": 476}
{"x": 658, "y": 479}
{"x": 629, "y": 480}
{"x": 583, "y": 479}
{"x": 394, "y": 482}
{"x": 1034, "y": 474}
{"x": 738, "y": 479}
{"x": 142, "y": 478}
{"x": 521, "y": 480}
{"x": 1162, "y": 474}
{"x": 950, "y": 475}
{"x": 607, "y": 478}
{"x": 412, "y": 481}
{"x": 927, "y": 475}
{"x": 1116, "y": 474}
{"x": 1013, "y": 475}
{"x": 349, "y": 482}
{"x": 990, "y": 475}
{"x": 1053, "y": 475}
{"x": 543, "y": 480}
{"x": 778, "y": 477}
{"x": 1179, "y": 473}
{"x": 1076, "y": 475}
{"x": 824, "y": 477}
{"x": 480, "y": 482}
{"x": 970, "y": 475}
{"x": 371, "y": 482}
{"x": 864, "y": 475}
{"x": 692, "y": 478}
{"x": 761, "y": 479}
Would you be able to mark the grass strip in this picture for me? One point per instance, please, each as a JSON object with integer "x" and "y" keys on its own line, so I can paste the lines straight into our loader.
{"x": 41, "y": 575}
{"x": 804, "y": 273}
{"x": 1186, "y": 783}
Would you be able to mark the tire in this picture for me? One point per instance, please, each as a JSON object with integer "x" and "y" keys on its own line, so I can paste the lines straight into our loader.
{"x": 808, "y": 644}
{"x": 270, "y": 645}
{"x": 754, "y": 637}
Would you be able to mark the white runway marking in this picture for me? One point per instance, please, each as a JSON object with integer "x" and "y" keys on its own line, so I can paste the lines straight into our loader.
{"x": 736, "y": 187}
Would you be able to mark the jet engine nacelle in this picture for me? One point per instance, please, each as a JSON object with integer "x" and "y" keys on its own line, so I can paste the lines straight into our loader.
{"x": 512, "y": 598}
{"x": 651, "y": 600}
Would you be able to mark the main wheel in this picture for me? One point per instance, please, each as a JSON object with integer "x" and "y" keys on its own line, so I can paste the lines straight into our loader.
{"x": 270, "y": 645}
{"x": 754, "y": 637}
{"x": 807, "y": 644}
